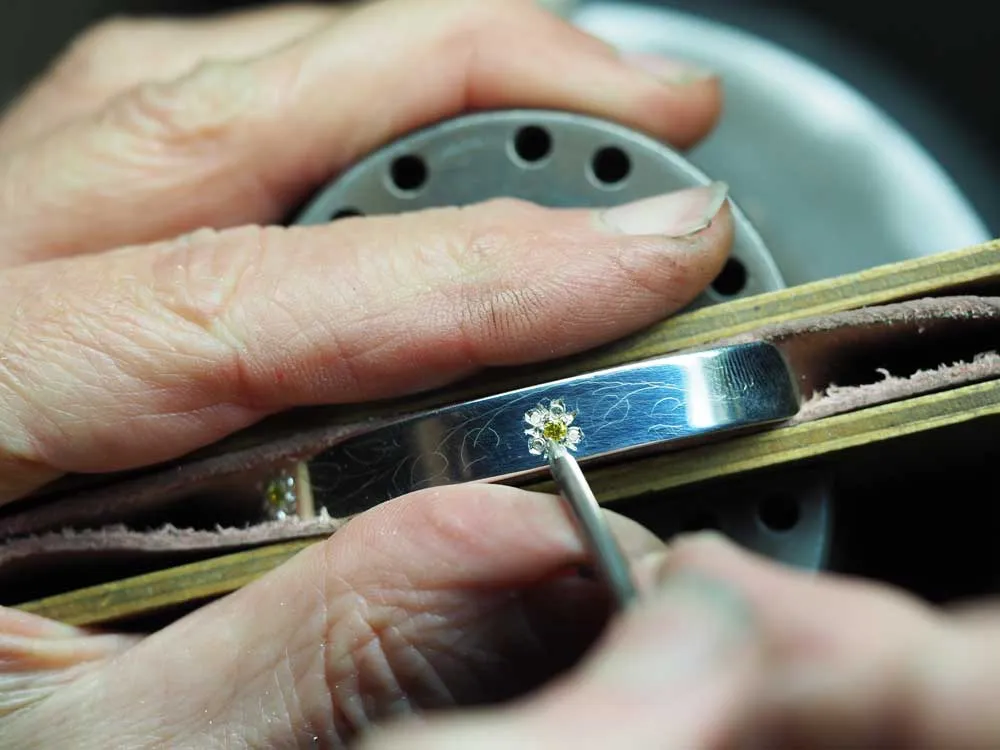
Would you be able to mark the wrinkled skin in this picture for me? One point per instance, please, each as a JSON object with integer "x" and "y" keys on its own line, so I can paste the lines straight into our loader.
{"x": 160, "y": 310}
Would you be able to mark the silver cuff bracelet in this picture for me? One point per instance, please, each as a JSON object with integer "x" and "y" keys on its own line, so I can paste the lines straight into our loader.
{"x": 659, "y": 404}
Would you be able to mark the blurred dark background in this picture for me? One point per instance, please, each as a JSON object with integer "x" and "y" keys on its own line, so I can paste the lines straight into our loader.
{"x": 931, "y": 67}
{"x": 950, "y": 49}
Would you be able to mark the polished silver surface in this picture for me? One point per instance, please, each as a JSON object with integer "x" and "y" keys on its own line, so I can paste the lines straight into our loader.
{"x": 608, "y": 559}
{"x": 828, "y": 179}
{"x": 555, "y": 159}
{"x": 653, "y": 405}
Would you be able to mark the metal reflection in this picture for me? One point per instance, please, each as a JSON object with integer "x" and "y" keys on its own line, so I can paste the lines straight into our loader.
{"x": 658, "y": 404}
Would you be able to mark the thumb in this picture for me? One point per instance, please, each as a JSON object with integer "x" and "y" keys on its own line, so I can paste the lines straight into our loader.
{"x": 676, "y": 672}
{"x": 180, "y": 343}
{"x": 455, "y": 595}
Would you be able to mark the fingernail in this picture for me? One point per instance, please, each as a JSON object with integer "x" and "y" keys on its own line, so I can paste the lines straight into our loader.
{"x": 686, "y": 627}
{"x": 677, "y": 214}
{"x": 669, "y": 70}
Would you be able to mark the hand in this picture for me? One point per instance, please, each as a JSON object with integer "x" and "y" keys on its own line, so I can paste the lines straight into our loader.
{"x": 470, "y": 596}
{"x": 148, "y": 310}
{"x": 729, "y": 652}
{"x": 442, "y": 598}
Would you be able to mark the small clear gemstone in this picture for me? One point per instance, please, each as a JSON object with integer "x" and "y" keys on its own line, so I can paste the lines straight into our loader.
{"x": 280, "y": 497}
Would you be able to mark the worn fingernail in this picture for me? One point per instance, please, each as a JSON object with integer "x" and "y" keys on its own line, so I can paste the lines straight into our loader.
{"x": 687, "y": 626}
{"x": 678, "y": 214}
{"x": 670, "y": 70}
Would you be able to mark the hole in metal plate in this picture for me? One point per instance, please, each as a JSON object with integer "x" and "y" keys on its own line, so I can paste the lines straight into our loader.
{"x": 779, "y": 512}
{"x": 611, "y": 166}
{"x": 532, "y": 144}
{"x": 408, "y": 173}
{"x": 732, "y": 279}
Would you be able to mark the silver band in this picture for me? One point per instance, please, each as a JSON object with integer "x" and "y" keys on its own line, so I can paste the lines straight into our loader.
{"x": 657, "y": 404}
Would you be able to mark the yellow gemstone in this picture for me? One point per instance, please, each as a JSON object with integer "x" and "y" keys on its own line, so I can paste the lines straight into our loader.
{"x": 556, "y": 431}
{"x": 275, "y": 495}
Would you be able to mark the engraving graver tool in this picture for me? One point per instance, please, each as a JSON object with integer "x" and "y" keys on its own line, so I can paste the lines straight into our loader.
{"x": 611, "y": 563}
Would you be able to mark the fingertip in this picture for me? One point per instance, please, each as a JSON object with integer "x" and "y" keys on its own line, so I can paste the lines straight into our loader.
{"x": 705, "y": 554}
{"x": 698, "y": 554}
{"x": 636, "y": 540}
{"x": 677, "y": 667}
{"x": 703, "y": 551}
{"x": 554, "y": 277}
{"x": 682, "y": 241}
{"x": 670, "y": 99}
{"x": 705, "y": 544}
{"x": 682, "y": 114}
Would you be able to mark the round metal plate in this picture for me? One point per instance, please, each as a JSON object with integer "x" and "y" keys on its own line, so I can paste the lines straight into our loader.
{"x": 567, "y": 160}
{"x": 554, "y": 159}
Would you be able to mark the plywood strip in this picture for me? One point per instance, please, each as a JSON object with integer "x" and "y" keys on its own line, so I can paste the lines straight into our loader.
{"x": 876, "y": 286}
{"x": 151, "y": 592}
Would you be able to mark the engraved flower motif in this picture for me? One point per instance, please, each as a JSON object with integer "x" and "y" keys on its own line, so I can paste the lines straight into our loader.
{"x": 553, "y": 422}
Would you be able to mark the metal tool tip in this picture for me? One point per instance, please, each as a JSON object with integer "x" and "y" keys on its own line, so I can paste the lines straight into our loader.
{"x": 554, "y": 450}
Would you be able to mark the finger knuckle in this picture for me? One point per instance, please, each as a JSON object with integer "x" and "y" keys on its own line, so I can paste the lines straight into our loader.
{"x": 468, "y": 24}
{"x": 198, "y": 110}
{"x": 198, "y": 287}
{"x": 494, "y": 218}
{"x": 17, "y": 406}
